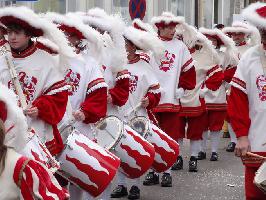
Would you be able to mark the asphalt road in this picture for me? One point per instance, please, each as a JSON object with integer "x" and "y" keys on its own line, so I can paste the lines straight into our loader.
{"x": 221, "y": 180}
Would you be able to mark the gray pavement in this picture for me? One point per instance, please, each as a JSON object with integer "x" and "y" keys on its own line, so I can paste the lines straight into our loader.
{"x": 221, "y": 180}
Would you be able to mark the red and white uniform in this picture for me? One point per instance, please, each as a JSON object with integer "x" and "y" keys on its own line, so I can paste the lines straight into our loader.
{"x": 43, "y": 88}
{"x": 26, "y": 179}
{"x": 209, "y": 77}
{"x": 88, "y": 91}
{"x": 143, "y": 83}
{"x": 176, "y": 70}
{"x": 246, "y": 110}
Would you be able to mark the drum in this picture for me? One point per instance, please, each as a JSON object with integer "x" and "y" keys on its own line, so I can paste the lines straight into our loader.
{"x": 166, "y": 149}
{"x": 136, "y": 153}
{"x": 86, "y": 164}
{"x": 260, "y": 178}
{"x": 37, "y": 151}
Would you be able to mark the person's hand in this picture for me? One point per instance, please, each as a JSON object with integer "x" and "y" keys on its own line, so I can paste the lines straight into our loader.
{"x": 109, "y": 98}
{"x": 32, "y": 112}
{"x": 242, "y": 146}
{"x": 79, "y": 115}
{"x": 145, "y": 102}
{"x": 179, "y": 93}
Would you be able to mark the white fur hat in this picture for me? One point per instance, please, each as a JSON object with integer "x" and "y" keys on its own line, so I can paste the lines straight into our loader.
{"x": 36, "y": 25}
{"x": 72, "y": 23}
{"x": 145, "y": 41}
{"x": 14, "y": 120}
{"x": 166, "y": 19}
{"x": 255, "y": 14}
{"x": 139, "y": 24}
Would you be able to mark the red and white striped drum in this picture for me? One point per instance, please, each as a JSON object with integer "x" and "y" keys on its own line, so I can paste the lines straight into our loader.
{"x": 37, "y": 151}
{"x": 136, "y": 153}
{"x": 166, "y": 149}
{"x": 86, "y": 164}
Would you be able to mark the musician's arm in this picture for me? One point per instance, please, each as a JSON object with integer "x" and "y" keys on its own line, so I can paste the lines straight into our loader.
{"x": 154, "y": 96}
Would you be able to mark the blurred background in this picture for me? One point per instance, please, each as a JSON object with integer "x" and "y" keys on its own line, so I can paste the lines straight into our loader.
{"x": 199, "y": 13}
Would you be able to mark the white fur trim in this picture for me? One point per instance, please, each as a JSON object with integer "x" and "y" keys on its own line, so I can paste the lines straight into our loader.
{"x": 144, "y": 26}
{"x": 124, "y": 76}
{"x": 145, "y": 41}
{"x": 156, "y": 91}
{"x": 55, "y": 91}
{"x": 17, "y": 136}
{"x": 238, "y": 26}
{"x": 250, "y": 14}
{"x": 97, "y": 86}
{"x": 49, "y": 29}
{"x": 167, "y": 18}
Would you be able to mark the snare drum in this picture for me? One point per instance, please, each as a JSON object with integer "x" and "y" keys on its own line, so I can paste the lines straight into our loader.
{"x": 37, "y": 151}
{"x": 260, "y": 178}
{"x": 136, "y": 153}
{"x": 166, "y": 149}
{"x": 86, "y": 164}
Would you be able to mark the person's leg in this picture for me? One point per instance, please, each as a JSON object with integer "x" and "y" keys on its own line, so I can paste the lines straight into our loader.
{"x": 233, "y": 140}
{"x": 121, "y": 189}
{"x": 134, "y": 192}
{"x": 251, "y": 190}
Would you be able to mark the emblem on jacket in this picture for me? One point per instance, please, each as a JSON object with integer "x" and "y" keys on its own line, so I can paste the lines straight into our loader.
{"x": 167, "y": 62}
{"x": 133, "y": 83}
{"x": 28, "y": 84}
{"x": 72, "y": 79}
{"x": 261, "y": 85}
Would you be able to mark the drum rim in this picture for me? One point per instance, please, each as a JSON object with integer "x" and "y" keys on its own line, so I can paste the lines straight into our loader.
{"x": 119, "y": 136}
{"x": 147, "y": 125}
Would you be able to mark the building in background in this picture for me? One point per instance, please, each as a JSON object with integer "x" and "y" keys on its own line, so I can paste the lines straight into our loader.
{"x": 196, "y": 12}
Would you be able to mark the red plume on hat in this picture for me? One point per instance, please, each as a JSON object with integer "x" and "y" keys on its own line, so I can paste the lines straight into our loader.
{"x": 256, "y": 14}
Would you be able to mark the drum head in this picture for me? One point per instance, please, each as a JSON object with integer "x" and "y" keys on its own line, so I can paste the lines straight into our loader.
{"x": 108, "y": 131}
{"x": 139, "y": 124}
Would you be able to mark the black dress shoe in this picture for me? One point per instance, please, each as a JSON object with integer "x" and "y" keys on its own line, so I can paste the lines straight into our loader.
{"x": 201, "y": 155}
{"x": 214, "y": 156}
{"x": 166, "y": 180}
{"x": 134, "y": 193}
{"x": 193, "y": 164}
{"x": 231, "y": 147}
{"x": 119, "y": 191}
{"x": 151, "y": 179}
{"x": 178, "y": 164}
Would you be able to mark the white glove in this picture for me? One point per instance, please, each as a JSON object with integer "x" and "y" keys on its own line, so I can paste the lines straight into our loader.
{"x": 203, "y": 92}
{"x": 179, "y": 93}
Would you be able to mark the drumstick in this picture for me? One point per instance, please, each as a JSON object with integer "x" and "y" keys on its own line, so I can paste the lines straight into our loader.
{"x": 110, "y": 134}
{"x": 256, "y": 155}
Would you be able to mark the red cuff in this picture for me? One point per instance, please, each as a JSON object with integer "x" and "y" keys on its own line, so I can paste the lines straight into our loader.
{"x": 187, "y": 79}
{"x": 154, "y": 99}
{"x": 215, "y": 81}
{"x": 120, "y": 92}
{"x": 229, "y": 73}
{"x": 95, "y": 105}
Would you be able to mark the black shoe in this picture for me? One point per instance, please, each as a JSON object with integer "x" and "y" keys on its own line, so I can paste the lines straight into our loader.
{"x": 214, "y": 156}
{"x": 166, "y": 180}
{"x": 193, "y": 164}
{"x": 134, "y": 193}
{"x": 119, "y": 191}
{"x": 231, "y": 147}
{"x": 201, "y": 155}
{"x": 151, "y": 179}
{"x": 178, "y": 164}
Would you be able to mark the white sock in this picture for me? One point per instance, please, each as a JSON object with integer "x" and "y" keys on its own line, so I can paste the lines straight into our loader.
{"x": 194, "y": 147}
{"x": 203, "y": 145}
{"x": 180, "y": 142}
{"x": 215, "y": 139}
{"x": 232, "y": 133}
{"x": 136, "y": 182}
{"x": 121, "y": 179}
{"x": 168, "y": 171}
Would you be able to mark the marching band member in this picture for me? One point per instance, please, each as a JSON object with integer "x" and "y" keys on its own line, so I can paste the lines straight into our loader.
{"x": 209, "y": 78}
{"x": 245, "y": 36}
{"x": 43, "y": 86}
{"x": 216, "y": 100}
{"x": 247, "y": 102}
{"x": 176, "y": 73}
{"x": 88, "y": 93}
{"x": 144, "y": 90}
{"x": 21, "y": 177}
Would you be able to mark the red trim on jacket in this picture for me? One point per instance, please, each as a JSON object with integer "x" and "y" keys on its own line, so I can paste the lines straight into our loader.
{"x": 167, "y": 107}
{"x": 25, "y": 53}
{"x": 193, "y": 111}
